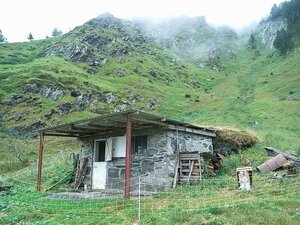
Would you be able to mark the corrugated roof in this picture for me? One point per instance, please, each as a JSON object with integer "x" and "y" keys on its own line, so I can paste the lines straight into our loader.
{"x": 115, "y": 123}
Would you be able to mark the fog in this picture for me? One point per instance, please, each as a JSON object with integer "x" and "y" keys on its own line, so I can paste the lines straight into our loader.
{"x": 19, "y": 17}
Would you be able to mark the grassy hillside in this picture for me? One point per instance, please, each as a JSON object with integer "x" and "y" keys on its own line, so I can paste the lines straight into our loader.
{"x": 144, "y": 73}
{"x": 116, "y": 66}
{"x": 261, "y": 93}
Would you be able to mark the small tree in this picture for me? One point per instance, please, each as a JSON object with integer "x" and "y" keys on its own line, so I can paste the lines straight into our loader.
{"x": 252, "y": 43}
{"x": 30, "y": 37}
{"x": 56, "y": 32}
{"x": 2, "y": 38}
{"x": 275, "y": 11}
{"x": 283, "y": 42}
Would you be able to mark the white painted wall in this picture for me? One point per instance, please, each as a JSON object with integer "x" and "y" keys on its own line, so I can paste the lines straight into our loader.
{"x": 119, "y": 146}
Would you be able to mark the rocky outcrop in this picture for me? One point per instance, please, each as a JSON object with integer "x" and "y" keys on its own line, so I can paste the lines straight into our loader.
{"x": 94, "y": 41}
{"x": 51, "y": 93}
{"x": 19, "y": 116}
{"x": 267, "y": 30}
{"x": 151, "y": 104}
{"x": 81, "y": 102}
{"x": 110, "y": 98}
{"x": 23, "y": 99}
{"x": 217, "y": 54}
{"x": 28, "y": 130}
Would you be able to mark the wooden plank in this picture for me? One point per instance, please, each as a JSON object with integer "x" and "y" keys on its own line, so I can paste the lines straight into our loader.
{"x": 190, "y": 172}
{"x": 69, "y": 131}
{"x": 186, "y": 164}
{"x": 100, "y": 124}
{"x": 60, "y": 135}
{"x": 200, "y": 168}
{"x": 160, "y": 123}
{"x": 176, "y": 173}
{"x": 190, "y": 158}
{"x": 192, "y": 178}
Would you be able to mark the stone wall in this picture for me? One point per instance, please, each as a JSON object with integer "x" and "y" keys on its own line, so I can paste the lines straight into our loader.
{"x": 157, "y": 164}
{"x": 87, "y": 146}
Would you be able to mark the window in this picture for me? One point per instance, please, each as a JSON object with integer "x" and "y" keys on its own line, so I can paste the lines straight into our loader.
{"x": 139, "y": 145}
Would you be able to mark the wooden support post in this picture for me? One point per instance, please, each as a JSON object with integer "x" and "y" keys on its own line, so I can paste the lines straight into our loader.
{"x": 40, "y": 163}
{"x": 200, "y": 168}
{"x": 128, "y": 157}
{"x": 176, "y": 171}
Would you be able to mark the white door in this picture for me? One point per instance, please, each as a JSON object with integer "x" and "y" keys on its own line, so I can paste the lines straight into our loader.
{"x": 99, "y": 165}
{"x": 99, "y": 175}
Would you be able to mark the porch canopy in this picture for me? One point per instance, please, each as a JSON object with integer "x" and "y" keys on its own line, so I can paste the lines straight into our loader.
{"x": 114, "y": 124}
{"x": 127, "y": 122}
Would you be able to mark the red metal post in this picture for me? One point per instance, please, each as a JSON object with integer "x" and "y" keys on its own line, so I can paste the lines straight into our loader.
{"x": 128, "y": 157}
{"x": 39, "y": 176}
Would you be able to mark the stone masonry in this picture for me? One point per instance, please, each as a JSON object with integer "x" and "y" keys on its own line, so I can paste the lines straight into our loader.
{"x": 155, "y": 165}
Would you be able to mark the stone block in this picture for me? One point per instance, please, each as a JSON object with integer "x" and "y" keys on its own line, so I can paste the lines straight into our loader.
{"x": 152, "y": 151}
{"x": 122, "y": 173}
{"x": 158, "y": 157}
{"x": 134, "y": 172}
{"x": 161, "y": 144}
{"x": 115, "y": 183}
{"x": 113, "y": 172}
{"x": 147, "y": 166}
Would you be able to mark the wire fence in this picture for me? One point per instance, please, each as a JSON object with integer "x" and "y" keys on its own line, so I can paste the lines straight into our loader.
{"x": 110, "y": 205}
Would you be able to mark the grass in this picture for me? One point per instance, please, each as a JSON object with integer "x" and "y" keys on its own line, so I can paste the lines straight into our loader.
{"x": 215, "y": 200}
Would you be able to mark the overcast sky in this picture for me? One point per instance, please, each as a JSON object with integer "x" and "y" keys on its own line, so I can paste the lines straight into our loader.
{"x": 19, "y": 17}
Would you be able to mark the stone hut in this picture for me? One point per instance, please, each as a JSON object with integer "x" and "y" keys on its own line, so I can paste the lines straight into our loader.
{"x": 120, "y": 147}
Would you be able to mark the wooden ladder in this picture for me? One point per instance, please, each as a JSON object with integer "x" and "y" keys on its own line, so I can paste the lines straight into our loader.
{"x": 189, "y": 167}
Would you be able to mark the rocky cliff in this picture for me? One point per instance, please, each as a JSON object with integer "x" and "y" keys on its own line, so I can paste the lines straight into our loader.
{"x": 267, "y": 30}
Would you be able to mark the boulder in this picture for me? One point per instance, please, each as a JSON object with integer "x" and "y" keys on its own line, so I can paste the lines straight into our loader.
{"x": 104, "y": 61}
{"x": 65, "y": 108}
{"x": 119, "y": 73}
{"x": 136, "y": 98}
{"x": 75, "y": 93}
{"x": 110, "y": 98}
{"x": 122, "y": 107}
{"x": 151, "y": 104}
{"x": 2, "y": 116}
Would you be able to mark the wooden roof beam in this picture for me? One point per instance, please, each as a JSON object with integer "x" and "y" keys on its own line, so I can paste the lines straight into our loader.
{"x": 60, "y": 135}
{"x": 68, "y": 131}
{"x": 157, "y": 122}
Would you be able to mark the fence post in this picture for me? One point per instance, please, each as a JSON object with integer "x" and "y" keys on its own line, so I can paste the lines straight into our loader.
{"x": 139, "y": 213}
